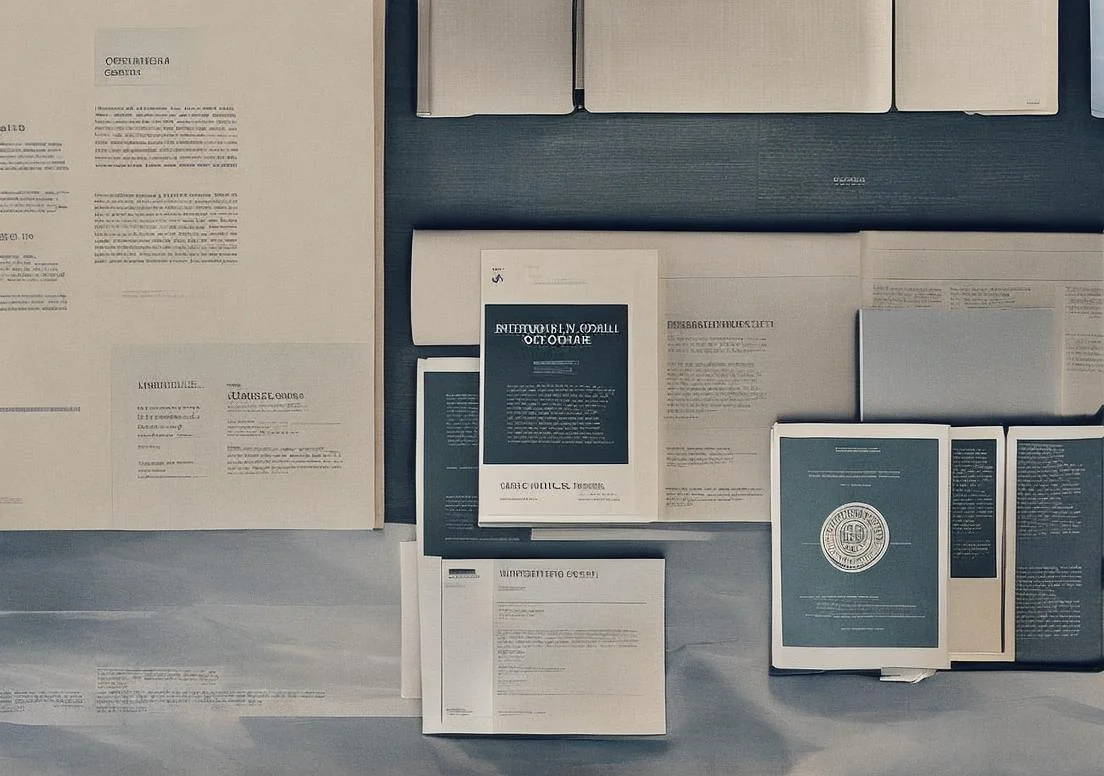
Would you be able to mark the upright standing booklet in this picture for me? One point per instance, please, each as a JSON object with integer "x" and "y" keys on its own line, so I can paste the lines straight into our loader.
{"x": 569, "y": 381}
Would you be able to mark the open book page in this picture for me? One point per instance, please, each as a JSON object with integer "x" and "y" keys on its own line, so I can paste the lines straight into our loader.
{"x": 569, "y": 387}
{"x": 167, "y": 185}
{"x": 859, "y": 517}
{"x": 989, "y": 56}
{"x": 960, "y": 271}
{"x": 981, "y": 572}
{"x": 1055, "y": 524}
{"x": 747, "y": 316}
{"x": 553, "y": 647}
{"x": 735, "y": 56}
{"x": 495, "y": 56}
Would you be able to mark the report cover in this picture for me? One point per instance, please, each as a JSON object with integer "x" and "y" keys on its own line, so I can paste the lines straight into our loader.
{"x": 859, "y": 537}
{"x": 569, "y": 377}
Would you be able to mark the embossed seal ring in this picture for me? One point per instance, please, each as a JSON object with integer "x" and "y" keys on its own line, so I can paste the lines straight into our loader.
{"x": 854, "y": 537}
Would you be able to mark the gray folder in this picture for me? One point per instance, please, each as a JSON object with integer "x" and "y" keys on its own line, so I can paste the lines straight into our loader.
{"x": 956, "y": 366}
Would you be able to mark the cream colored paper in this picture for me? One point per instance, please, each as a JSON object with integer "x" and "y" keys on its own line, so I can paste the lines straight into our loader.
{"x": 948, "y": 270}
{"x": 989, "y": 56}
{"x": 762, "y": 56}
{"x": 495, "y": 56}
{"x": 200, "y": 173}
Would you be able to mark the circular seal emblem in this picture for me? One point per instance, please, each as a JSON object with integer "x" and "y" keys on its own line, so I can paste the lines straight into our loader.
{"x": 854, "y": 537}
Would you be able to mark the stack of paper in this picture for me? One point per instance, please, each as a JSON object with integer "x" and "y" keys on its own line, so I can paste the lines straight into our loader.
{"x": 503, "y": 634}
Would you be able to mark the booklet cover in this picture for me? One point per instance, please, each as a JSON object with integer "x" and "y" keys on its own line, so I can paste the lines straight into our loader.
{"x": 859, "y": 536}
{"x": 569, "y": 382}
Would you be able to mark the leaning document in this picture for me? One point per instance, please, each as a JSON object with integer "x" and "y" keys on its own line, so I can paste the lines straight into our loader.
{"x": 188, "y": 222}
{"x": 859, "y": 518}
{"x": 569, "y": 382}
{"x": 543, "y": 647}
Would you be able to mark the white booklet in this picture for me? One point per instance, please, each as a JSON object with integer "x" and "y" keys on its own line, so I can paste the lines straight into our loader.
{"x": 557, "y": 647}
{"x": 986, "y": 56}
{"x": 569, "y": 387}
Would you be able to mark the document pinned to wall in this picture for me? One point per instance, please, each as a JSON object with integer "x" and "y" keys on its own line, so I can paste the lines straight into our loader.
{"x": 166, "y": 186}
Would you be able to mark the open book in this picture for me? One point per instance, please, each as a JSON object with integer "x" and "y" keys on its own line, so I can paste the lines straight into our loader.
{"x": 912, "y": 546}
{"x": 761, "y": 327}
{"x": 763, "y": 56}
{"x": 189, "y": 268}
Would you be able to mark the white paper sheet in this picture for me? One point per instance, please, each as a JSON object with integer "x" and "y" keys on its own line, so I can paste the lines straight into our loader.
{"x": 543, "y": 647}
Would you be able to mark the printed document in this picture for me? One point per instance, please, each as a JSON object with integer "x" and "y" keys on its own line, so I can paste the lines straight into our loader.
{"x": 179, "y": 176}
{"x": 859, "y": 517}
{"x": 542, "y": 646}
{"x": 569, "y": 387}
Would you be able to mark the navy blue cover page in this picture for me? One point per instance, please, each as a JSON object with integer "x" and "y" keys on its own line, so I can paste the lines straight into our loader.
{"x": 860, "y": 542}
